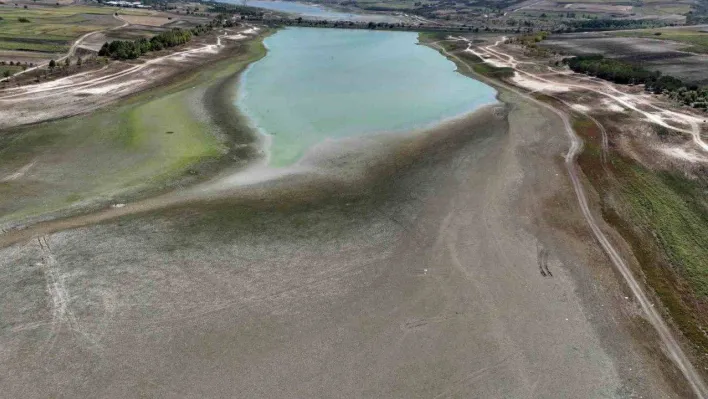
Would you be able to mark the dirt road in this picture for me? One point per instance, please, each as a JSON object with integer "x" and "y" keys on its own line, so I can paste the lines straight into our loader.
{"x": 660, "y": 116}
{"x": 82, "y": 92}
{"x": 671, "y": 346}
{"x": 74, "y": 46}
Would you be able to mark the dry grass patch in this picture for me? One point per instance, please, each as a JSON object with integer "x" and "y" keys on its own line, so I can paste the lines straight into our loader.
{"x": 147, "y": 20}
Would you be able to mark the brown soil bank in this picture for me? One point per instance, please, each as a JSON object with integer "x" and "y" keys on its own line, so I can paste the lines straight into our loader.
{"x": 445, "y": 276}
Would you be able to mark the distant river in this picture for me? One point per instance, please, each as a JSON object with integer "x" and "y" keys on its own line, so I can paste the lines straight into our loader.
{"x": 314, "y": 11}
{"x": 316, "y": 84}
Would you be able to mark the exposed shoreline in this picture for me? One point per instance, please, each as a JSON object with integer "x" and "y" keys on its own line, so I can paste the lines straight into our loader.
{"x": 421, "y": 243}
{"x": 215, "y": 101}
{"x": 202, "y": 93}
{"x": 674, "y": 360}
{"x": 345, "y": 173}
{"x": 446, "y": 261}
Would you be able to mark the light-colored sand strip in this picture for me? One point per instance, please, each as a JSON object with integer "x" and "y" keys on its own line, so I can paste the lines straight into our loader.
{"x": 536, "y": 84}
{"x": 19, "y": 173}
{"x": 111, "y": 88}
{"x": 684, "y": 155}
{"x": 580, "y": 107}
{"x": 612, "y": 106}
{"x": 237, "y": 36}
{"x": 663, "y": 117}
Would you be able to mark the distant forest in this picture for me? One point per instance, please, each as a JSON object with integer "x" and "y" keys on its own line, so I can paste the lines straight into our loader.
{"x": 225, "y": 8}
{"x": 624, "y": 73}
{"x": 613, "y": 24}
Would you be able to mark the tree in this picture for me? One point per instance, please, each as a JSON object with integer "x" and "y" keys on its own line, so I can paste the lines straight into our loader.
{"x": 67, "y": 62}
{"x": 79, "y": 62}
{"x": 52, "y": 64}
{"x": 6, "y": 74}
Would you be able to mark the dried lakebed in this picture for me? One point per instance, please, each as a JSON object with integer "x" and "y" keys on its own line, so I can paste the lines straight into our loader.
{"x": 418, "y": 276}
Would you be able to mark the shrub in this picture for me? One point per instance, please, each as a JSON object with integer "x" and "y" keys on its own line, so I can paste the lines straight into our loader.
{"x": 126, "y": 49}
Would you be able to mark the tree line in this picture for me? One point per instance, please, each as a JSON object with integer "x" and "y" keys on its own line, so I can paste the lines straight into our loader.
{"x": 131, "y": 49}
{"x": 601, "y": 24}
{"x": 624, "y": 73}
{"x": 234, "y": 9}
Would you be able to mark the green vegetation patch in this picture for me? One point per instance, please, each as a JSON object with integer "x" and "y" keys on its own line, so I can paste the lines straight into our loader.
{"x": 664, "y": 218}
{"x": 125, "y": 49}
{"x": 680, "y": 226}
{"x": 483, "y": 68}
{"x": 9, "y": 69}
{"x": 37, "y": 47}
{"x": 143, "y": 143}
{"x": 614, "y": 24}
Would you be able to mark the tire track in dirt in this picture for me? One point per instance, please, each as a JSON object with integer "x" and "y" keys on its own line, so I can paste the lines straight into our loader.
{"x": 671, "y": 345}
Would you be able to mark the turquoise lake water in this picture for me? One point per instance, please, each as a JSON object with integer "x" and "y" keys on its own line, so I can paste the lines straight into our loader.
{"x": 316, "y": 84}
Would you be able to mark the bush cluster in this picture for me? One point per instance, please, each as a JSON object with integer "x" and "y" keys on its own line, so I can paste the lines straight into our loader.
{"x": 131, "y": 49}
{"x": 613, "y": 24}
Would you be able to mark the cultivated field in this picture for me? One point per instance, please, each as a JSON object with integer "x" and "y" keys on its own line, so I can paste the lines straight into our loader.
{"x": 146, "y": 20}
{"x": 660, "y": 9}
{"x": 46, "y": 31}
{"x": 669, "y": 57}
{"x": 697, "y": 37}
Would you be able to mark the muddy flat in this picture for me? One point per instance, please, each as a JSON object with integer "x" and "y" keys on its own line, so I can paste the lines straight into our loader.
{"x": 440, "y": 280}
{"x": 434, "y": 262}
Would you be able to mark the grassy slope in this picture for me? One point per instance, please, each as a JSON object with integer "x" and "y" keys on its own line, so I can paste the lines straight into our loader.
{"x": 12, "y": 69}
{"x": 664, "y": 218}
{"x": 117, "y": 150}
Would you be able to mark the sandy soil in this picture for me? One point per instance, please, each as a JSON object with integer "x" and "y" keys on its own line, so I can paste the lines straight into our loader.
{"x": 536, "y": 85}
{"x": 434, "y": 275}
{"x": 87, "y": 91}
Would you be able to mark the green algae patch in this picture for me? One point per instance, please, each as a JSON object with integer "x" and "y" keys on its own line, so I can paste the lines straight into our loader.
{"x": 146, "y": 142}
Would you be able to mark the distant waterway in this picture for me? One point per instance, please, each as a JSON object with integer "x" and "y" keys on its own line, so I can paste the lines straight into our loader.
{"x": 318, "y": 84}
{"x": 314, "y": 11}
